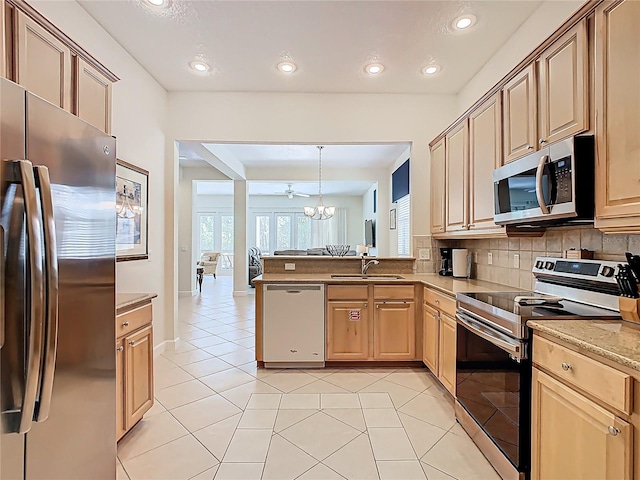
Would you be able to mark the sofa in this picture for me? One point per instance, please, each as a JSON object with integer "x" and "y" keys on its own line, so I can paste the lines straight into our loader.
{"x": 310, "y": 251}
{"x": 255, "y": 265}
{"x": 209, "y": 261}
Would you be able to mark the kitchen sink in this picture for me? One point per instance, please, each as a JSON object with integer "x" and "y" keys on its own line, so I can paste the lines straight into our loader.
{"x": 350, "y": 276}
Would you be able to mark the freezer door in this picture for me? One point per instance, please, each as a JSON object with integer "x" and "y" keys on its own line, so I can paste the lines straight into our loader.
{"x": 77, "y": 440}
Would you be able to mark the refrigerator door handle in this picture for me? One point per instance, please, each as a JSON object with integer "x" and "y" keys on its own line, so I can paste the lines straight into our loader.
{"x": 22, "y": 173}
{"x": 51, "y": 293}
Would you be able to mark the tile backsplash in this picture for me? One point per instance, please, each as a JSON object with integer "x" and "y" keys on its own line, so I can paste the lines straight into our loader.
{"x": 552, "y": 244}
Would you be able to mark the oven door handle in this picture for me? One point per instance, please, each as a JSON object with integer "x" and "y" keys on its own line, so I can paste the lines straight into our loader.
{"x": 539, "y": 193}
{"x": 517, "y": 349}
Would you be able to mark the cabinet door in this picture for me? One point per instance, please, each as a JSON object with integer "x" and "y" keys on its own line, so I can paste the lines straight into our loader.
{"x": 618, "y": 116}
{"x": 93, "y": 96}
{"x": 437, "y": 187}
{"x": 447, "y": 373}
{"x": 431, "y": 337}
{"x": 572, "y": 437}
{"x": 563, "y": 81}
{"x": 457, "y": 178}
{"x": 120, "y": 420}
{"x": 394, "y": 331}
{"x": 43, "y": 63}
{"x": 485, "y": 155}
{"x": 519, "y": 97}
{"x": 138, "y": 364}
{"x": 347, "y": 331}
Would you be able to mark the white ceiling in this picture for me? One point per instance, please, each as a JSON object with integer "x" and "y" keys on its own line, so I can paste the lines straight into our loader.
{"x": 278, "y": 188}
{"x": 330, "y": 41}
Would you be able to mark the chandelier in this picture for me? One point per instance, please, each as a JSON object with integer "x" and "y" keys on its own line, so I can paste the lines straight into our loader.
{"x": 319, "y": 212}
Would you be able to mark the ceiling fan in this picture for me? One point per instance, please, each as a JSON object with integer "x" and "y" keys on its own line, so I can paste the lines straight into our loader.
{"x": 292, "y": 193}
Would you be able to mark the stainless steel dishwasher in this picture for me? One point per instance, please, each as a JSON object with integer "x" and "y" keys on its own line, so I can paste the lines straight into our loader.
{"x": 293, "y": 325}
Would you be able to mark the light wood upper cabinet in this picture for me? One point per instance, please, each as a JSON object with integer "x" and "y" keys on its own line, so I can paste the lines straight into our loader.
{"x": 394, "y": 328}
{"x": 43, "y": 63}
{"x": 447, "y": 353}
{"x": 573, "y": 437}
{"x": 519, "y": 115}
{"x": 485, "y": 155}
{"x": 347, "y": 330}
{"x": 138, "y": 364}
{"x": 120, "y": 420}
{"x": 617, "y": 88}
{"x": 437, "y": 187}
{"x": 457, "y": 178}
{"x": 564, "y": 86}
{"x": 93, "y": 96}
{"x": 431, "y": 337}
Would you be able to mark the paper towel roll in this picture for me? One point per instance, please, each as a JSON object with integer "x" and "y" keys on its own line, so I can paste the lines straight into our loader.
{"x": 460, "y": 262}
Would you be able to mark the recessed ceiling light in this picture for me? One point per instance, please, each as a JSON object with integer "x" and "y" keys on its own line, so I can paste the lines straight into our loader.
{"x": 374, "y": 68}
{"x": 159, "y": 3}
{"x": 431, "y": 69}
{"x": 464, "y": 22}
{"x": 199, "y": 66}
{"x": 287, "y": 67}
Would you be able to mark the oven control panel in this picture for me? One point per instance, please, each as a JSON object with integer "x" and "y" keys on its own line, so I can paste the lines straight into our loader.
{"x": 598, "y": 270}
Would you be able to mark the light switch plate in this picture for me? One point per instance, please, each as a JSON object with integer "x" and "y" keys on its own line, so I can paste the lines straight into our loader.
{"x": 289, "y": 266}
{"x": 424, "y": 254}
{"x": 516, "y": 260}
{"x": 490, "y": 258}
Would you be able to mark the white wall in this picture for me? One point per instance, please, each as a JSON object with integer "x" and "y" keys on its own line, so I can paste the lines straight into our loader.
{"x": 542, "y": 23}
{"x": 367, "y": 213}
{"x": 138, "y": 123}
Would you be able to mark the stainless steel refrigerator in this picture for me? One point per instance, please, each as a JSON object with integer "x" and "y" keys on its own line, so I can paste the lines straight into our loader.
{"x": 57, "y": 293}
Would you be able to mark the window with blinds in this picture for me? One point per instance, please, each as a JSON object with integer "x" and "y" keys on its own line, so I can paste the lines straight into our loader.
{"x": 403, "y": 220}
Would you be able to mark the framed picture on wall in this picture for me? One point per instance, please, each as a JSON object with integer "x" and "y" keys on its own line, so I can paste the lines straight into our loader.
{"x": 392, "y": 219}
{"x": 132, "y": 212}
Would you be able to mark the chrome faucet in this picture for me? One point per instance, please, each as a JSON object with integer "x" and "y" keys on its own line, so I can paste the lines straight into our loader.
{"x": 365, "y": 266}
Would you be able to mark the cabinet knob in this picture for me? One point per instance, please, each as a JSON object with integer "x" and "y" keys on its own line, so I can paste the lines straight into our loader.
{"x": 529, "y": 147}
{"x": 125, "y": 324}
{"x": 437, "y": 302}
{"x": 613, "y": 430}
{"x": 542, "y": 141}
{"x": 435, "y": 316}
{"x": 566, "y": 367}
{"x": 440, "y": 229}
{"x": 366, "y": 305}
{"x": 293, "y": 351}
{"x": 132, "y": 343}
{"x": 120, "y": 348}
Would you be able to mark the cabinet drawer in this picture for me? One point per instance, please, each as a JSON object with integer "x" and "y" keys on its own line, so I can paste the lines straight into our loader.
{"x": 347, "y": 292}
{"x": 440, "y": 301}
{"x": 393, "y": 292}
{"x": 132, "y": 320}
{"x": 603, "y": 382}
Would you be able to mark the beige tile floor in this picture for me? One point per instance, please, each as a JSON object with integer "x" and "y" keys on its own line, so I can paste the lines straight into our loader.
{"x": 217, "y": 416}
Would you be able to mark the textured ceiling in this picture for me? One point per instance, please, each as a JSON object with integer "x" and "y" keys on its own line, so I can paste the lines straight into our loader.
{"x": 330, "y": 41}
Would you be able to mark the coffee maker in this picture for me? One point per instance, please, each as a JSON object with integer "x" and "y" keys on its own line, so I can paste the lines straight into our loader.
{"x": 446, "y": 265}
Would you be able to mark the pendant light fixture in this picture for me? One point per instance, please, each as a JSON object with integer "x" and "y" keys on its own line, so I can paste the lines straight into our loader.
{"x": 319, "y": 212}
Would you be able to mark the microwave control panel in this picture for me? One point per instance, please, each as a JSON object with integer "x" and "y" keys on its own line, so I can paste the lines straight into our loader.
{"x": 563, "y": 180}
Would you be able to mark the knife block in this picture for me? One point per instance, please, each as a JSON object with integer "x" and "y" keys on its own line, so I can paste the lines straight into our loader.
{"x": 630, "y": 309}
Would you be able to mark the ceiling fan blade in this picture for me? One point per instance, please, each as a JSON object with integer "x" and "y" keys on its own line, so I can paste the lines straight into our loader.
{"x": 302, "y": 195}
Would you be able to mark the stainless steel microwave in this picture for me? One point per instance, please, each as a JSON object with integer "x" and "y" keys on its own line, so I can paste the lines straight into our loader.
{"x": 551, "y": 186}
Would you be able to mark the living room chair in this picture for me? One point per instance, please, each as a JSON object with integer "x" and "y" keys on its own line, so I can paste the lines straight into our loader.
{"x": 209, "y": 261}
{"x": 255, "y": 265}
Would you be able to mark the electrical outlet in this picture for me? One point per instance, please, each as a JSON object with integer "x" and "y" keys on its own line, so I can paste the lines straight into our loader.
{"x": 516, "y": 260}
{"x": 424, "y": 254}
{"x": 289, "y": 266}
{"x": 475, "y": 257}
{"x": 490, "y": 258}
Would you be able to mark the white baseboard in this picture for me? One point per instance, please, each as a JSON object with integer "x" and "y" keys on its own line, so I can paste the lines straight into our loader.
{"x": 240, "y": 293}
{"x": 187, "y": 293}
{"x": 159, "y": 349}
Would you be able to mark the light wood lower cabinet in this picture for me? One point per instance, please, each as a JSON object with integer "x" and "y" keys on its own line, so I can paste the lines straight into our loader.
{"x": 431, "y": 337}
{"x": 394, "y": 330}
{"x": 573, "y": 437}
{"x": 447, "y": 354}
{"x": 134, "y": 368}
{"x": 347, "y": 330}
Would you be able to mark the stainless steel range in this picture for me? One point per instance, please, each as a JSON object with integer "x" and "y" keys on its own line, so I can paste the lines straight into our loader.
{"x": 493, "y": 359}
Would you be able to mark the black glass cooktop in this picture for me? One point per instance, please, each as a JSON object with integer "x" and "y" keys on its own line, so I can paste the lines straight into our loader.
{"x": 506, "y": 301}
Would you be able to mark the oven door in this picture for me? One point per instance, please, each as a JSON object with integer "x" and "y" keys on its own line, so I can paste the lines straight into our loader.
{"x": 494, "y": 386}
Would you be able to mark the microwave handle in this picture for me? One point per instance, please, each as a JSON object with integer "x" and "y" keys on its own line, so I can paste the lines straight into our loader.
{"x": 539, "y": 173}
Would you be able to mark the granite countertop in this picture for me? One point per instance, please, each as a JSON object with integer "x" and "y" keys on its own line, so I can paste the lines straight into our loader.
{"x": 128, "y": 301}
{"x": 447, "y": 285}
{"x": 616, "y": 340}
